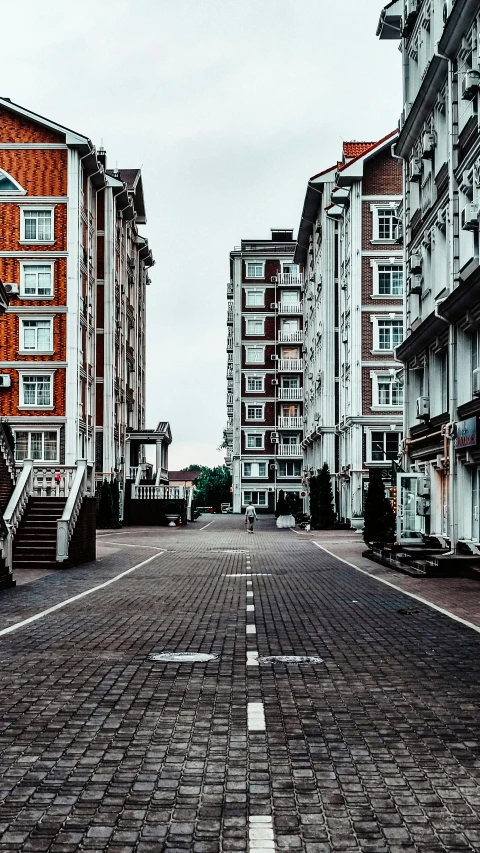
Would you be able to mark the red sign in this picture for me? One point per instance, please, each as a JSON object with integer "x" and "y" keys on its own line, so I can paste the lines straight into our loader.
{"x": 303, "y": 494}
{"x": 231, "y": 488}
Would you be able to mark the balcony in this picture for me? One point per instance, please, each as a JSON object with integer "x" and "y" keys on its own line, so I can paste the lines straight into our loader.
{"x": 291, "y": 337}
{"x": 287, "y": 308}
{"x": 289, "y": 450}
{"x": 289, "y": 278}
{"x": 290, "y": 394}
{"x": 229, "y": 372}
{"x": 284, "y": 364}
{"x": 229, "y": 344}
{"x": 230, "y": 290}
{"x": 290, "y": 423}
{"x": 230, "y": 317}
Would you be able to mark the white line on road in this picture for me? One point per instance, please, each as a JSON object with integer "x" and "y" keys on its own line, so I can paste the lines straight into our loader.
{"x": 252, "y": 658}
{"x": 49, "y": 610}
{"x": 260, "y": 833}
{"x": 249, "y": 583}
{"x": 249, "y": 592}
{"x": 102, "y": 535}
{"x": 129, "y": 545}
{"x": 255, "y": 717}
{"x": 250, "y": 608}
{"x": 404, "y": 591}
{"x": 207, "y": 525}
{"x": 250, "y": 629}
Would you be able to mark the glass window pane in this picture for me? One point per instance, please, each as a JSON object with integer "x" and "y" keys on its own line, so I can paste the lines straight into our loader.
{"x": 21, "y": 445}
{"x": 50, "y": 446}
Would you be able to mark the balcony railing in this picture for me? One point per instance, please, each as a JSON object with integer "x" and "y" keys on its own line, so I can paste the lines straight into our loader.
{"x": 290, "y": 308}
{"x": 295, "y": 337}
{"x": 230, "y": 290}
{"x": 290, "y": 393}
{"x": 229, "y": 344}
{"x": 290, "y": 423}
{"x": 229, "y": 373}
{"x": 290, "y": 278}
{"x": 230, "y": 317}
{"x": 289, "y": 450}
{"x": 290, "y": 364}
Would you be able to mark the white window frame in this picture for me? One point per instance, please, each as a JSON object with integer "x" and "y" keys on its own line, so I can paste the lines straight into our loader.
{"x": 256, "y": 433}
{"x": 392, "y": 377}
{"x": 19, "y": 189}
{"x": 375, "y": 208}
{"x": 258, "y": 291}
{"x": 256, "y": 476}
{"x": 255, "y": 320}
{"x": 255, "y": 390}
{"x": 250, "y": 492}
{"x": 384, "y": 462}
{"x": 376, "y": 319}
{"x": 255, "y": 347}
{"x": 30, "y": 430}
{"x": 289, "y": 462}
{"x": 28, "y": 319}
{"x": 386, "y": 262}
{"x": 36, "y": 209}
{"x": 254, "y": 405}
{"x": 40, "y": 263}
{"x": 34, "y": 406}
{"x": 257, "y": 263}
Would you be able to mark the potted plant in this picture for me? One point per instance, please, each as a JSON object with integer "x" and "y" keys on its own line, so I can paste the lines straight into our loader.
{"x": 172, "y": 514}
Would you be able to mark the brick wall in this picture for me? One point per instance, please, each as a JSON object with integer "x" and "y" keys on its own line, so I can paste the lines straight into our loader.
{"x": 14, "y": 128}
{"x": 382, "y": 175}
{"x": 83, "y": 542}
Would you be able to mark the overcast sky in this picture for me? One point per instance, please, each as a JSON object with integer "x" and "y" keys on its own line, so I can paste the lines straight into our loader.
{"x": 228, "y": 106}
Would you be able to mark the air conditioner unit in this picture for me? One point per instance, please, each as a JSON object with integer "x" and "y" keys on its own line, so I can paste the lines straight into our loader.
{"x": 273, "y": 306}
{"x": 274, "y": 279}
{"x": 272, "y": 466}
{"x": 275, "y": 382}
{"x": 423, "y": 506}
{"x": 12, "y": 289}
{"x": 274, "y": 438}
{"x": 274, "y": 357}
{"x": 423, "y": 487}
{"x": 476, "y": 382}
{"x": 416, "y": 284}
{"x": 316, "y": 416}
{"x": 5, "y": 380}
{"x": 416, "y": 169}
{"x": 428, "y": 145}
{"x": 415, "y": 262}
{"x": 469, "y": 216}
{"x": 399, "y": 232}
{"x": 423, "y": 408}
{"x": 470, "y": 85}
{"x": 305, "y": 420}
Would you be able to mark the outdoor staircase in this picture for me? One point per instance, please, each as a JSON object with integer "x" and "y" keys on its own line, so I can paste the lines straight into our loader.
{"x": 35, "y": 543}
{"x": 7, "y": 471}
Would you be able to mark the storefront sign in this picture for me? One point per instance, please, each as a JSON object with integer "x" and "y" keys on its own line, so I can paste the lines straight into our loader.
{"x": 466, "y": 434}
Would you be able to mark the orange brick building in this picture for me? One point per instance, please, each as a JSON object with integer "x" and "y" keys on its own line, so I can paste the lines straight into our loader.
{"x": 75, "y": 268}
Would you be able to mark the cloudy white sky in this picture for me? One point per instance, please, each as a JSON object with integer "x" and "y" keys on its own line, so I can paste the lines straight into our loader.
{"x": 228, "y": 106}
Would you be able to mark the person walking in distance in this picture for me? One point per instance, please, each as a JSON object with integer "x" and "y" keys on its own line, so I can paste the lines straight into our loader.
{"x": 250, "y": 516}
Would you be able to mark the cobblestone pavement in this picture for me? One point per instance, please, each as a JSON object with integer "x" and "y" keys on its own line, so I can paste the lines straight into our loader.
{"x": 376, "y": 748}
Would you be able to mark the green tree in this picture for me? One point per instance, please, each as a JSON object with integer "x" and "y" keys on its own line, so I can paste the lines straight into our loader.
{"x": 322, "y": 512}
{"x": 115, "y": 490}
{"x": 213, "y": 487}
{"x": 379, "y": 515}
{"x": 192, "y": 468}
{"x": 293, "y": 502}
{"x": 314, "y": 516}
{"x": 107, "y": 513}
{"x": 281, "y": 508}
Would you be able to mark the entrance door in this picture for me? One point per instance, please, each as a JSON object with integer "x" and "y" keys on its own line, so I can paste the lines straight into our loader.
{"x": 410, "y": 526}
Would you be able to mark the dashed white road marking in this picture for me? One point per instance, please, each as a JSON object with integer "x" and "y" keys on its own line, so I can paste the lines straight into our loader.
{"x": 255, "y": 717}
{"x": 260, "y": 833}
{"x": 80, "y": 595}
{"x": 249, "y": 583}
{"x": 250, "y": 608}
{"x": 249, "y": 592}
{"x": 404, "y": 591}
{"x": 252, "y": 658}
{"x": 207, "y": 525}
{"x": 249, "y": 575}
{"x": 102, "y": 535}
{"x": 129, "y": 545}
{"x": 250, "y": 629}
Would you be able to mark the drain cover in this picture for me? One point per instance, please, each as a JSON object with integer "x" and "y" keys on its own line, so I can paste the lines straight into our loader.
{"x": 182, "y": 657}
{"x": 289, "y": 659}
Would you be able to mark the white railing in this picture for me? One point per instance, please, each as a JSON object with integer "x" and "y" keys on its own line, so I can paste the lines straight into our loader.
{"x": 290, "y": 278}
{"x": 51, "y": 480}
{"x": 290, "y": 423}
{"x": 157, "y": 493}
{"x": 290, "y": 393}
{"x": 290, "y": 364}
{"x": 287, "y": 308}
{"x": 7, "y": 453}
{"x": 291, "y": 337}
{"x": 81, "y": 486}
{"x": 16, "y": 506}
{"x": 289, "y": 450}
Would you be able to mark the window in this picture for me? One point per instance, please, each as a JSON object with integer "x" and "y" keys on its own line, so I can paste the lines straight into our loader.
{"x": 254, "y": 440}
{"x": 37, "y": 280}
{"x": 36, "y": 390}
{"x": 290, "y": 297}
{"x": 254, "y": 469}
{"x": 290, "y": 411}
{"x": 37, "y": 225}
{"x": 9, "y": 185}
{"x": 443, "y": 364}
{"x": 255, "y": 383}
{"x": 385, "y": 223}
{"x": 255, "y": 355}
{"x": 254, "y": 413}
{"x": 256, "y": 498}
{"x": 384, "y": 446}
{"x": 254, "y": 269}
{"x": 36, "y": 445}
{"x": 290, "y": 382}
{"x": 390, "y": 280}
{"x": 388, "y": 334}
{"x": 36, "y": 335}
{"x": 255, "y": 327}
{"x": 387, "y": 391}
{"x": 289, "y": 469}
{"x": 289, "y": 353}
{"x": 255, "y": 297}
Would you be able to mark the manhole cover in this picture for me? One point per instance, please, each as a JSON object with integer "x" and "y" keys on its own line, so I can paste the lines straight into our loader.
{"x": 289, "y": 659}
{"x": 182, "y": 657}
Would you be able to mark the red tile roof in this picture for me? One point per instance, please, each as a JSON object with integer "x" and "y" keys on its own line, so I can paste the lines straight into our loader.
{"x": 353, "y": 149}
